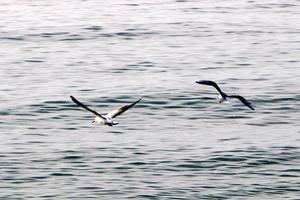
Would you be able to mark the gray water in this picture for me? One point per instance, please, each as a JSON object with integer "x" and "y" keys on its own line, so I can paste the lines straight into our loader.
{"x": 178, "y": 142}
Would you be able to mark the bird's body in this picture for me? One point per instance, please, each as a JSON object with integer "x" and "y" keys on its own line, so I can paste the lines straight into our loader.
{"x": 108, "y": 118}
{"x": 223, "y": 96}
{"x": 107, "y": 121}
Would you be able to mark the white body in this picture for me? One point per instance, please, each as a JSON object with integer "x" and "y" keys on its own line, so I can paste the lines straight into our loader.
{"x": 221, "y": 99}
{"x": 106, "y": 121}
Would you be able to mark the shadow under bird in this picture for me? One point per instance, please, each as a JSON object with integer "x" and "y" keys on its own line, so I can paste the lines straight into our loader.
{"x": 223, "y": 96}
{"x": 108, "y": 118}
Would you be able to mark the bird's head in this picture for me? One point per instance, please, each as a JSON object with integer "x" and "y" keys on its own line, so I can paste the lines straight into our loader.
{"x": 221, "y": 98}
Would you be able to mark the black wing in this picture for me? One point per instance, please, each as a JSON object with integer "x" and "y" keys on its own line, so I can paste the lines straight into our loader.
{"x": 242, "y": 99}
{"x": 122, "y": 109}
{"x": 85, "y": 107}
{"x": 211, "y": 83}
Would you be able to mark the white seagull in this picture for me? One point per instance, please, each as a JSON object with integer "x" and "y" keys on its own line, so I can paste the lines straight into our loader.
{"x": 223, "y": 96}
{"x": 106, "y": 119}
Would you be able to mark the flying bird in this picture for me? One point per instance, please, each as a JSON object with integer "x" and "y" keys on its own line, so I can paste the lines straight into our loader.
{"x": 223, "y": 96}
{"x": 108, "y": 118}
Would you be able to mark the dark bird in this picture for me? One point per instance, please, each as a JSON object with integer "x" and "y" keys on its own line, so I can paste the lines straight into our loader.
{"x": 223, "y": 96}
{"x": 106, "y": 119}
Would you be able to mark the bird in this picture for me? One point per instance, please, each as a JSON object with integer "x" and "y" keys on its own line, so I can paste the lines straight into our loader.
{"x": 223, "y": 96}
{"x": 108, "y": 118}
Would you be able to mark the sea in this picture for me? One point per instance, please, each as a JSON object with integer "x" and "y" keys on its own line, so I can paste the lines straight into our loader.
{"x": 178, "y": 142}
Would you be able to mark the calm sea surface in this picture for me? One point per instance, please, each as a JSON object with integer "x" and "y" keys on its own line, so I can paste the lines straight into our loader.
{"x": 178, "y": 142}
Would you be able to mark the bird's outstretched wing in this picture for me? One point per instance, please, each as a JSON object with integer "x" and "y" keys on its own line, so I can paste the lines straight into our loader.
{"x": 211, "y": 83}
{"x": 243, "y": 100}
{"x": 85, "y": 107}
{"x": 122, "y": 109}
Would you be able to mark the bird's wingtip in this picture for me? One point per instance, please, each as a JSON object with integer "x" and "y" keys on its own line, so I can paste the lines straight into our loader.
{"x": 251, "y": 106}
{"x": 202, "y": 81}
